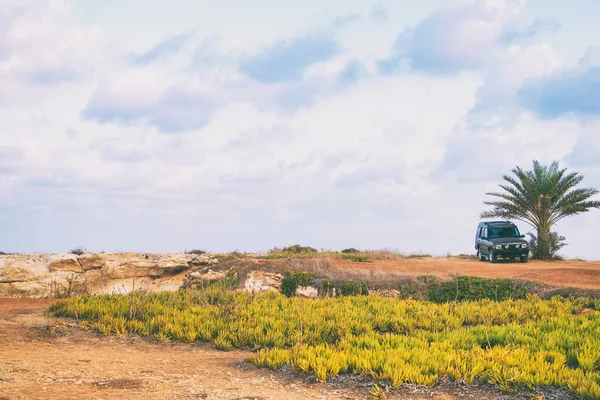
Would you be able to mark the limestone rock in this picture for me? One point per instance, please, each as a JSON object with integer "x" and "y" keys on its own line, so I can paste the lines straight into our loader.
{"x": 206, "y": 274}
{"x": 135, "y": 265}
{"x": 260, "y": 281}
{"x": 91, "y": 261}
{"x": 65, "y": 262}
{"x": 307, "y": 291}
{"x": 19, "y": 269}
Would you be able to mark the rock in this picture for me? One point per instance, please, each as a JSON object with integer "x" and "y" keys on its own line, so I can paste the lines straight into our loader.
{"x": 64, "y": 284}
{"x": 307, "y": 291}
{"x": 260, "y": 281}
{"x": 95, "y": 280}
{"x": 134, "y": 265}
{"x": 19, "y": 269}
{"x": 65, "y": 262}
{"x": 122, "y": 268}
{"x": 206, "y": 274}
{"x": 91, "y": 261}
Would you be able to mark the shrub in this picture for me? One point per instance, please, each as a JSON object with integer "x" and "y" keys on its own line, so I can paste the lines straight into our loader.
{"x": 353, "y": 289}
{"x": 419, "y": 255}
{"x": 297, "y": 249}
{"x": 355, "y": 258}
{"x": 472, "y": 288}
{"x": 78, "y": 251}
{"x": 291, "y": 281}
{"x": 350, "y": 250}
{"x": 233, "y": 256}
{"x": 195, "y": 251}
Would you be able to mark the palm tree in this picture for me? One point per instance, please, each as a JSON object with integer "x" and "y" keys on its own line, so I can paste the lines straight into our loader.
{"x": 541, "y": 197}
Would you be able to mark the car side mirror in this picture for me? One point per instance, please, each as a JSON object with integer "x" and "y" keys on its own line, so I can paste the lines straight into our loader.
{"x": 522, "y": 236}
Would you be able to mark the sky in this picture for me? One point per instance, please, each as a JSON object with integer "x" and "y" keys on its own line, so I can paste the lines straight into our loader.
{"x": 153, "y": 126}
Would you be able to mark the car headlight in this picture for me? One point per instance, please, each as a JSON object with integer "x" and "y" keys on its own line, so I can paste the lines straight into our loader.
{"x": 526, "y": 245}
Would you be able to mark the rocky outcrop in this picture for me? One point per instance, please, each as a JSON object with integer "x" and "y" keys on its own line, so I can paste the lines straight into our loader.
{"x": 307, "y": 291}
{"x": 59, "y": 275}
{"x": 261, "y": 281}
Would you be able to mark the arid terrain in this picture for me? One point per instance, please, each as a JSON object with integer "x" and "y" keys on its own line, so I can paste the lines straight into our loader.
{"x": 45, "y": 358}
{"x": 577, "y": 274}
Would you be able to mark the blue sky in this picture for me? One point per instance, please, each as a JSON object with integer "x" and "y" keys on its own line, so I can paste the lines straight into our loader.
{"x": 161, "y": 126}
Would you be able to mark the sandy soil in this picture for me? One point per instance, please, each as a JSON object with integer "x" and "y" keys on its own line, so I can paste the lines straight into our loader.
{"x": 42, "y": 358}
{"x": 579, "y": 274}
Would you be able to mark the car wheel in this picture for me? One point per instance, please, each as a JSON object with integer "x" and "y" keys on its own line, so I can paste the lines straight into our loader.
{"x": 524, "y": 259}
{"x": 493, "y": 258}
{"x": 481, "y": 258}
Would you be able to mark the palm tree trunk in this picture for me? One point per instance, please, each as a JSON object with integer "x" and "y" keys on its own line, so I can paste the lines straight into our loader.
{"x": 543, "y": 244}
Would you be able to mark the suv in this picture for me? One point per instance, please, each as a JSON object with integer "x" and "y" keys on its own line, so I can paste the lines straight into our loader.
{"x": 500, "y": 239}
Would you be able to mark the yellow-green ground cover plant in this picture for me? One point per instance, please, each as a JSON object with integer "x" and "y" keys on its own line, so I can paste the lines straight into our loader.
{"x": 517, "y": 345}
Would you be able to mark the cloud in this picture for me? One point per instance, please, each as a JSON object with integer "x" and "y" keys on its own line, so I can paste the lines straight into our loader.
{"x": 287, "y": 60}
{"x": 11, "y": 157}
{"x": 498, "y": 98}
{"x": 586, "y": 150}
{"x": 379, "y": 15}
{"x": 344, "y": 20}
{"x": 352, "y": 72}
{"x": 570, "y": 92}
{"x": 163, "y": 49}
{"x": 538, "y": 26}
{"x": 454, "y": 39}
{"x": 39, "y": 46}
{"x": 481, "y": 154}
{"x": 148, "y": 97}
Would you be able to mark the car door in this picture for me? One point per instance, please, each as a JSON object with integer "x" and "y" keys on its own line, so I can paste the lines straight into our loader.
{"x": 483, "y": 246}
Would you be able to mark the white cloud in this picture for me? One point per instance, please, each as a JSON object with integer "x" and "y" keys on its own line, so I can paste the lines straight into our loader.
{"x": 39, "y": 46}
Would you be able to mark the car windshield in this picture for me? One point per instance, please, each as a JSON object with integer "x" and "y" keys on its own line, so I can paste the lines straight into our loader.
{"x": 503, "y": 232}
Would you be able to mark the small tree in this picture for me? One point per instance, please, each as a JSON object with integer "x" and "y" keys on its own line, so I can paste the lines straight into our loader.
{"x": 541, "y": 197}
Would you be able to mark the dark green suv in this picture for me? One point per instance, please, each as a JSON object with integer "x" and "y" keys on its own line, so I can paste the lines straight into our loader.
{"x": 500, "y": 239}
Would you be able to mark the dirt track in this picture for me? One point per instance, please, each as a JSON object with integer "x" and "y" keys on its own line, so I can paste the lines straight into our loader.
{"x": 40, "y": 360}
{"x": 579, "y": 274}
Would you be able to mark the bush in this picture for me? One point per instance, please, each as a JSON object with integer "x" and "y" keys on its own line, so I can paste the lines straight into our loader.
{"x": 297, "y": 249}
{"x": 355, "y": 258}
{"x": 291, "y": 281}
{"x": 353, "y": 289}
{"x": 350, "y": 250}
{"x": 195, "y": 251}
{"x": 231, "y": 281}
{"x": 467, "y": 288}
{"x": 78, "y": 251}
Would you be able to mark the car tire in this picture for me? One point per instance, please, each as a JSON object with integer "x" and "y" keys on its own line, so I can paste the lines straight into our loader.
{"x": 481, "y": 258}
{"x": 524, "y": 259}
{"x": 493, "y": 258}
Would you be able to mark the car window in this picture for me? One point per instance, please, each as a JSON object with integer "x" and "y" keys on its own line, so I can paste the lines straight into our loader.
{"x": 503, "y": 232}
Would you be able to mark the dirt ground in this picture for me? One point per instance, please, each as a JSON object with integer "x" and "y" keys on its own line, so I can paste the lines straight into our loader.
{"x": 578, "y": 274}
{"x": 42, "y": 358}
